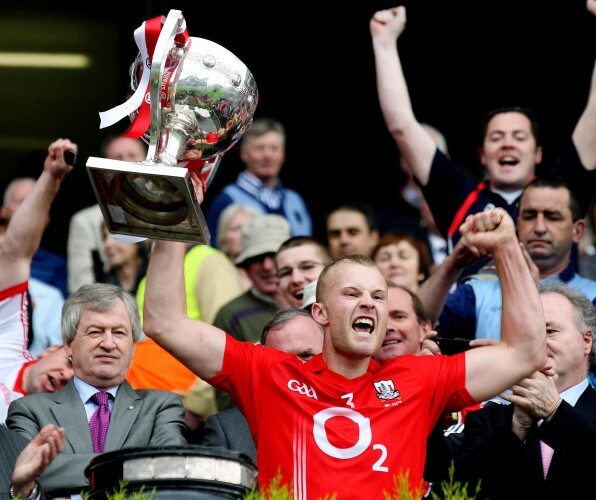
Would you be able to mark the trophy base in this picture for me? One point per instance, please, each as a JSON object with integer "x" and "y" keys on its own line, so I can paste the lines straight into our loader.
{"x": 148, "y": 200}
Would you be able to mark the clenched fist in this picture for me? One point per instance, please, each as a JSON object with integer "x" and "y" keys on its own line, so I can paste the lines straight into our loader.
{"x": 483, "y": 232}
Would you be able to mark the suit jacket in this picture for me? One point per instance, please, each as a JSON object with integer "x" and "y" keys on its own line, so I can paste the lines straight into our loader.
{"x": 142, "y": 418}
{"x": 510, "y": 468}
{"x": 11, "y": 444}
{"x": 229, "y": 429}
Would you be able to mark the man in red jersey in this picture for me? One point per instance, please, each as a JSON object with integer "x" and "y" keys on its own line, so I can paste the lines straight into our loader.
{"x": 341, "y": 420}
{"x": 20, "y": 373}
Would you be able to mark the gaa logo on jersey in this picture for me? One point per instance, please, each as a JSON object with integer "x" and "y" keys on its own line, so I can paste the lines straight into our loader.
{"x": 386, "y": 390}
{"x": 303, "y": 389}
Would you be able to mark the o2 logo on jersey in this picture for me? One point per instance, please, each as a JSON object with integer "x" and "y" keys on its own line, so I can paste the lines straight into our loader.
{"x": 303, "y": 389}
{"x": 361, "y": 444}
{"x": 386, "y": 390}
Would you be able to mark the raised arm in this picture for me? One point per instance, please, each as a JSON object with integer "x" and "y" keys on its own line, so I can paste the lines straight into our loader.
{"x": 435, "y": 289}
{"x": 522, "y": 349}
{"x": 584, "y": 134}
{"x": 29, "y": 221}
{"x": 199, "y": 345}
{"x": 415, "y": 144}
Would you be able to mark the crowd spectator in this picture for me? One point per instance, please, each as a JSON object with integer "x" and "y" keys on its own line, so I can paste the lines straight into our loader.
{"x": 351, "y": 228}
{"x": 229, "y": 234}
{"x": 510, "y": 152}
{"x": 46, "y": 267}
{"x": 299, "y": 261}
{"x": 263, "y": 152}
{"x": 549, "y": 223}
{"x": 407, "y": 325}
{"x": 245, "y": 316}
{"x": 403, "y": 259}
{"x": 20, "y": 372}
{"x": 45, "y": 299}
{"x": 126, "y": 262}
{"x": 352, "y": 309}
{"x": 101, "y": 326}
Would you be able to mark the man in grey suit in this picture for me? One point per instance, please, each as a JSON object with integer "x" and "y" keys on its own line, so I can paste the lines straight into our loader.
{"x": 289, "y": 330}
{"x": 100, "y": 327}
{"x": 21, "y": 461}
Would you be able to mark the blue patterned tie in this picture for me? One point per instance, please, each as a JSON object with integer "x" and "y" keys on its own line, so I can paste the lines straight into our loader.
{"x": 98, "y": 425}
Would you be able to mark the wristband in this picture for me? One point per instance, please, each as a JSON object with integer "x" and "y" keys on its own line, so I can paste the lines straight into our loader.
{"x": 32, "y": 496}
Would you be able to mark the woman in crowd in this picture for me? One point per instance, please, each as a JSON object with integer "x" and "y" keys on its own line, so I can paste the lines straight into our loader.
{"x": 126, "y": 262}
{"x": 403, "y": 259}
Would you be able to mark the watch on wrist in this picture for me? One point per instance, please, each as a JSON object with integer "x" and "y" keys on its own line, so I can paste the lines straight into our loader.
{"x": 32, "y": 496}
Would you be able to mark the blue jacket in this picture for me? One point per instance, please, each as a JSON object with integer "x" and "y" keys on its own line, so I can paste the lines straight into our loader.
{"x": 248, "y": 190}
{"x": 473, "y": 309}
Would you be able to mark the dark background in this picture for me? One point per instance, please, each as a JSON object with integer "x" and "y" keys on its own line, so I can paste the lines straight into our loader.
{"x": 314, "y": 68}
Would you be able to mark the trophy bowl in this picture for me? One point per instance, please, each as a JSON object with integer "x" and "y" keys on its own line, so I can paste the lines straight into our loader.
{"x": 202, "y": 99}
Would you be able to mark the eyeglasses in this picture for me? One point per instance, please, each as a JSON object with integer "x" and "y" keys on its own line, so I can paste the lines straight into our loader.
{"x": 304, "y": 267}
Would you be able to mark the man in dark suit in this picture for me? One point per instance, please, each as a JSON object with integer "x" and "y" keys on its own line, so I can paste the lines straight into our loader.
{"x": 502, "y": 442}
{"x": 100, "y": 327}
{"x": 289, "y": 330}
{"x": 21, "y": 462}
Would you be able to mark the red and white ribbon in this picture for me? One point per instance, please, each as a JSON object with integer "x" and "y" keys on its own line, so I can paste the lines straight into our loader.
{"x": 146, "y": 37}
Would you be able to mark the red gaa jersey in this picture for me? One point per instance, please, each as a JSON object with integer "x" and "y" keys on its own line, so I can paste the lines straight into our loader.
{"x": 326, "y": 434}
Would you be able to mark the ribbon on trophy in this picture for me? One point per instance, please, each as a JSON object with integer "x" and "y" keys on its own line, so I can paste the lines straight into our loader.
{"x": 146, "y": 37}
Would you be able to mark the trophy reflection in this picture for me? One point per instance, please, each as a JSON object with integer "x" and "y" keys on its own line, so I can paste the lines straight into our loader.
{"x": 191, "y": 102}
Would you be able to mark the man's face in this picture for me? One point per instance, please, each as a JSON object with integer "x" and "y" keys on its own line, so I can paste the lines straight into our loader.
{"x": 567, "y": 347}
{"x": 404, "y": 333}
{"x": 264, "y": 156}
{"x": 509, "y": 152}
{"x": 19, "y": 191}
{"x": 300, "y": 336}
{"x": 297, "y": 266}
{"x": 353, "y": 310}
{"x": 545, "y": 226}
{"x": 126, "y": 149}
{"x": 263, "y": 273}
{"x": 348, "y": 233}
{"x": 50, "y": 374}
{"x": 103, "y": 347}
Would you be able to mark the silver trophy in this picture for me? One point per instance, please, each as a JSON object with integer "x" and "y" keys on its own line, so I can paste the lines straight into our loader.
{"x": 202, "y": 100}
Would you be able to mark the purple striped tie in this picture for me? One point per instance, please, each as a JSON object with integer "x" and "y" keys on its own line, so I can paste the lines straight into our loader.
{"x": 98, "y": 425}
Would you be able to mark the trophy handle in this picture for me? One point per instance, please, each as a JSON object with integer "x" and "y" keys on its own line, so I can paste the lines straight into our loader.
{"x": 160, "y": 54}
